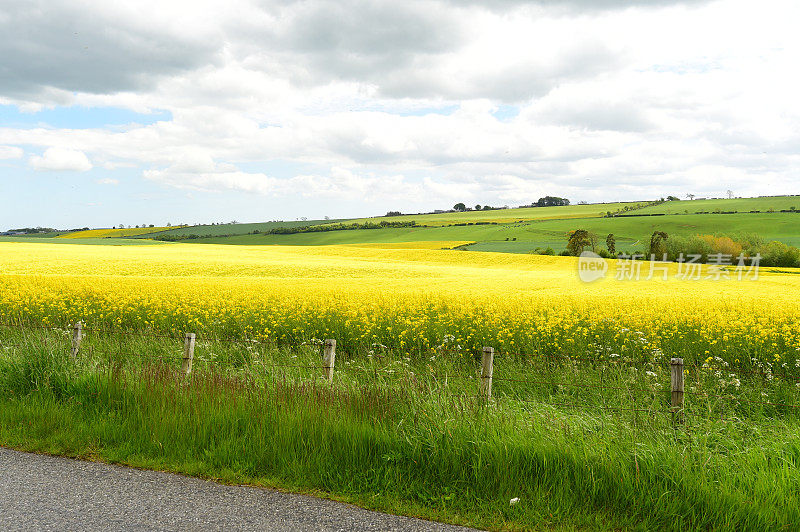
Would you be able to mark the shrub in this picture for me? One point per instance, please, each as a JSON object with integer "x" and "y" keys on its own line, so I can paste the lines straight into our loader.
{"x": 779, "y": 254}
{"x": 723, "y": 244}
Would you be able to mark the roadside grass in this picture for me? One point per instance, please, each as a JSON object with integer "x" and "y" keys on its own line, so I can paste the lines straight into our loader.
{"x": 409, "y": 434}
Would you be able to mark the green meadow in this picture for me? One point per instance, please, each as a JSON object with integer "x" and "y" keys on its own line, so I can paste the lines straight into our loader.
{"x": 762, "y": 204}
{"x": 632, "y": 232}
{"x": 232, "y": 229}
{"x": 511, "y": 230}
{"x": 414, "y": 436}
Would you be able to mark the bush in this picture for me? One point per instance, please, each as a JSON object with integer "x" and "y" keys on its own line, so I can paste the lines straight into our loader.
{"x": 723, "y": 244}
{"x": 779, "y": 254}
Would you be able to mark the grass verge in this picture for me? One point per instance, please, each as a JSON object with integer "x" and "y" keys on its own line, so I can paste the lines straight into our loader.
{"x": 408, "y": 436}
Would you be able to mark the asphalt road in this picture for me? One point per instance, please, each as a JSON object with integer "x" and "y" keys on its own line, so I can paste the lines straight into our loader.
{"x": 49, "y": 493}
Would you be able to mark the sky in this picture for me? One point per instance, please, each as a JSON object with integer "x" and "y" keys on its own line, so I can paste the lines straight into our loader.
{"x": 155, "y": 112}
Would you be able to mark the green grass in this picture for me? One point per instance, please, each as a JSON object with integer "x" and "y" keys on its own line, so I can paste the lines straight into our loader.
{"x": 507, "y": 215}
{"x": 777, "y": 203}
{"x": 233, "y": 229}
{"x": 408, "y": 435}
{"x": 784, "y": 227}
{"x": 51, "y": 234}
{"x": 366, "y": 236}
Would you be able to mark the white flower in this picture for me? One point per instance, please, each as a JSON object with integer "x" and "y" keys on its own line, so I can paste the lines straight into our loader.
{"x": 514, "y": 501}
{"x": 651, "y": 374}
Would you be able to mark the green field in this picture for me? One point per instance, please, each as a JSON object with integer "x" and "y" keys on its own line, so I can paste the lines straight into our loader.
{"x": 776, "y": 203}
{"x": 783, "y": 227}
{"x": 507, "y": 215}
{"x": 513, "y": 230}
{"x": 51, "y": 234}
{"x": 232, "y": 229}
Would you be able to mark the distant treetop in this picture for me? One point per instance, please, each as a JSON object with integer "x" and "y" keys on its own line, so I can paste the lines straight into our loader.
{"x": 551, "y": 201}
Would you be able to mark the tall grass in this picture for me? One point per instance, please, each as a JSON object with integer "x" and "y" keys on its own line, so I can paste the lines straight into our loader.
{"x": 410, "y": 435}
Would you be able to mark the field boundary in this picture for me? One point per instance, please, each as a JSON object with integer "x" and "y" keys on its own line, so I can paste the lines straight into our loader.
{"x": 677, "y": 389}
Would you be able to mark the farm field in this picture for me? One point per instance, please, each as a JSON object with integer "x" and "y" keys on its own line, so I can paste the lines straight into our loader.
{"x": 578, "y": 427}
{"x": 403, "y": 298}
{"x": 113, "y": 233}
{"x": 763, "y": 204}
{"x": 524, "y": 230}
{"x": 231, "y": 229}
{"x": 782, "y": 227}
{"x": 507, "y": 215}
{"x": 96, "y": 241}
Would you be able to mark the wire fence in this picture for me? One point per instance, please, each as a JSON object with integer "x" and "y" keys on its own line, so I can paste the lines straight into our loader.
{"x": 484, "y": 380}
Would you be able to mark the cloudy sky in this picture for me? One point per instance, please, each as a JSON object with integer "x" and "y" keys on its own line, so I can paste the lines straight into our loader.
{"x": 164, "y": 111}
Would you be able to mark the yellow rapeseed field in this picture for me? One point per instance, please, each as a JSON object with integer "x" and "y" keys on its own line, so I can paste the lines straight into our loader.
{"x": 410, "y": 300}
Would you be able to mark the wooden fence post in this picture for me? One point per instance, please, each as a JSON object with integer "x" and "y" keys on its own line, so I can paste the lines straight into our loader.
{"x": 77, "y": 335}
{"x": 188, "y": 353}
{"x": 329, "y": 358}
{"x": 676, "y": 381}
{"x": 487, "y": 368}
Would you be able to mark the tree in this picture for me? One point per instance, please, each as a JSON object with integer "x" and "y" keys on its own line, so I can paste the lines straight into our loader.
{"x": 393, "y": 213}
{"x": 611, "y": 244}
{"x": 658, "y": 244}
{"x": 487, "y": 208}
{"x": 460, "y": 207}
{"x": 690, "y": 196}
{"x": 477, "y": 207}
{"x": 551, "y": 201}
{"x": 673, "y": 198}
{"x": 578, "y": 241}
{"x": 729, "y": 194}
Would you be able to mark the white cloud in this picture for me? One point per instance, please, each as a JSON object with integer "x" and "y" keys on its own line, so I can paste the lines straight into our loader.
{"x": 616, "y": 99}
{"x": 108, "y": 181}
{"x": 61, "y": 159}
{"x": 11, "y": 152}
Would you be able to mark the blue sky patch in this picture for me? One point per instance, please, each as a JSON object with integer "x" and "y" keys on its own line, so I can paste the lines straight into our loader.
{"x": 77, "y": 117}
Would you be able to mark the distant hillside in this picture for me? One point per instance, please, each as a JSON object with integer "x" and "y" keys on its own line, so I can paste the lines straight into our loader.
{"x": 113, "y": 233}
{"x": 592, "y": 210}
{"x": 764, "y": 204}
{"x": 205, "y": 231}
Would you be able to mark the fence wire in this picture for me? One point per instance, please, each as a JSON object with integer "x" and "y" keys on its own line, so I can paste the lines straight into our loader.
{"x": 376, "y": 373}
